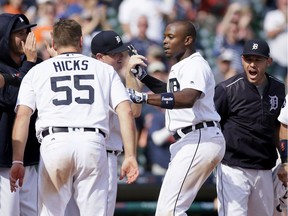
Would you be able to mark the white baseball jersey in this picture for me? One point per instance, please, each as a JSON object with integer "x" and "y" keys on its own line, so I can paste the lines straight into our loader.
{"x": 72, "y": 80}
{"x": 114, "y": 141}
{"x": 192, "y": 72}
{"x": 283, "y": 117}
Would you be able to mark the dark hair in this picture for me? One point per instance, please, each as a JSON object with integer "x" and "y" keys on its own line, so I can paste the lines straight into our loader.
{"x": 189, "y": 28}
{"x": 67, "y": 32}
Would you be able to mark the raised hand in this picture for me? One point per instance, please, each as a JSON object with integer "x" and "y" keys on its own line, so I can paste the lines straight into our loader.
{"x": 138, "y": 71}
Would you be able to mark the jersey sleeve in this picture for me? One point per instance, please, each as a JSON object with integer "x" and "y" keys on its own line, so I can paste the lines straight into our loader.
{"x": 194, "y": 75}
{"x": 118, "y": 91}
{"x": 26, "y": 95}
{"x": 220, "y": 100}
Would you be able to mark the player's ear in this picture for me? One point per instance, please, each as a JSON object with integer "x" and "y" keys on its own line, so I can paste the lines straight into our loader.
{"x": 269, "y": 61}
{"x": 53, "y": 44}
{"x": 81, "y": 42}
{"x": 188, "y": 40}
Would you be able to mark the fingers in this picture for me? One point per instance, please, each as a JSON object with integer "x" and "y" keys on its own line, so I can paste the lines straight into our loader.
{"x": 14, "y": 185}
{"x": 130, "y": 170}
{"x": 29, "y": 48}
{"x": 132, "y": 176}
{"x": 16, "y": 176}
{"x": 137, "y": 60}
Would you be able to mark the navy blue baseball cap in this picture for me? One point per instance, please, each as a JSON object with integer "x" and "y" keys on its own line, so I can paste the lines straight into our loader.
{"x": 107, "y": 42}
{"x": 256, "y": 47}
{"x": 22, "y": 23}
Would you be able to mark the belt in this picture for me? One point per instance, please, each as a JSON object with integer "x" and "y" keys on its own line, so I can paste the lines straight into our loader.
{"x": 70, "y": 129}
{"x": 116, "y": 153}
{"x": 181, "y": 132}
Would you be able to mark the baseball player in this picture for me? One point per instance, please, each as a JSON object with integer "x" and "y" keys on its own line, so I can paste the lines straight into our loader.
{"x": 280, "y": 173}
{"x": 107, "y": 46}
{"x": 249, "y": 104}
{"x": 73, "y": 96}
{"x": 18, "y": 54}
{"x": 190, "y": 115}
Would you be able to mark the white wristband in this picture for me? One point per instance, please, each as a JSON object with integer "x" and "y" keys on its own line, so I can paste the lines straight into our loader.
{"x": 17, "y": 162}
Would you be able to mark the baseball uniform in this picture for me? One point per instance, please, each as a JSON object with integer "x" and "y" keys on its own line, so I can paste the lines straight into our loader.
{"x": 73, "y": 94}
{"x": 280, "y": 191}
{"x": 249, "y": 124}
{"x": 198, "y": 150}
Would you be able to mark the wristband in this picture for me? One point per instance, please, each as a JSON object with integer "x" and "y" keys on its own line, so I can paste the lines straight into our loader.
{"x": 283, "y": 150}
{"x": 145, "y": 97}
{"x": 17, "y": 162}
{"x": 167, "y": 100}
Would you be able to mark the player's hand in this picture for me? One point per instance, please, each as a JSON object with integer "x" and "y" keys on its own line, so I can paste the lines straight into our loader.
{"x": 51, "y": 51}
{"x": 129, "y": 169}
{"x": 17, "y": 173}
{"x": 137, "y": 97}
{"x": 29, "y": 47}
{"x": 283, "y": 173}
{"x": 139, "y": 72}
{"x": 134, "y": 62}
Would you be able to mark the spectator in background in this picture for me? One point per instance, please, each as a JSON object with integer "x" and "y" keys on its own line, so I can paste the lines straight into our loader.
{"x": 46, "y": 16}
{"x": 141, "y": 41}
{"x": 19, "y": 7}
{"x": 232, "y": 32}
{"x": 276, "y": 31}
{"x": 230, "y": 40}
{"x": 131, "y": 10}
{"x": 224, "y": 69}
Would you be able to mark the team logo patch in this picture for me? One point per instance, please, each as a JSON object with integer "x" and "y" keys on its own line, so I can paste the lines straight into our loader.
{"x": 21, "y": 19}
{"x": 118, "y": 39}
{"x": 255, "y": 46}
{"x": 273, "y": 102}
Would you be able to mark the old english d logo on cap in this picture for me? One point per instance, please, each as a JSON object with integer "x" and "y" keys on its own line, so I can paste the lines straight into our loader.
{"x": 256, "y": 47}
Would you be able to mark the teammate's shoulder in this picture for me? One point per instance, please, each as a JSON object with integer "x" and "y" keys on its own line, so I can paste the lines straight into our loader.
{"x": 232, "y": 80}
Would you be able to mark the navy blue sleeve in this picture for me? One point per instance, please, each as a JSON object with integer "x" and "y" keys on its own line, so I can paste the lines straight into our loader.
{"x": 221, "y": 104}
{"x": 155, "y": 85}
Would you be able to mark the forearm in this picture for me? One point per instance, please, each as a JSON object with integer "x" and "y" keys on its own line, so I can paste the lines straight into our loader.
{"x": 176, "y": 100}
{"x": 127, "y": 128}
{"x": 2, "y": 81}
{"x": 155, "y": 85}
{"x": 19, "y": 137}
{"x": 283, "y": 143}
{"x": 132, "y": 82}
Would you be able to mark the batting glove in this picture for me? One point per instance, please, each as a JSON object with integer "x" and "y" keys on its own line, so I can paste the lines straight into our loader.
{"x": 138, "y": 71}
{"x": 137, "y": 97}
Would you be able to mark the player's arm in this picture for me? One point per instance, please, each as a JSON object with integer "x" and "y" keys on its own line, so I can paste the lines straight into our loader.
{"x": 139, "y": 71}
{"x": 155, "y": 85}
{"x": 177, "y": 100}
{"x": 128, "y": 131}
{"x": 132, "y": 82}
{"x": 2, "y": 81}
{"x": 19, "y": 139}
{"x": 283, "y": 149}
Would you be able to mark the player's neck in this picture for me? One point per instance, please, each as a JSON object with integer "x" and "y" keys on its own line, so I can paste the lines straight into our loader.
{"x": 62, "y": 50}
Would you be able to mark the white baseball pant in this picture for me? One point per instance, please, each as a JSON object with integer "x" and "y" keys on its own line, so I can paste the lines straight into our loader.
{"x": 23, "y": 202}
{"x": 244, "y": 192}
{"x": 78, "y": 160}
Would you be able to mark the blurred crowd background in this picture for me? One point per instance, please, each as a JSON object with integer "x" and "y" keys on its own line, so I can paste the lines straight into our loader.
{"x": 223, "y": 27}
